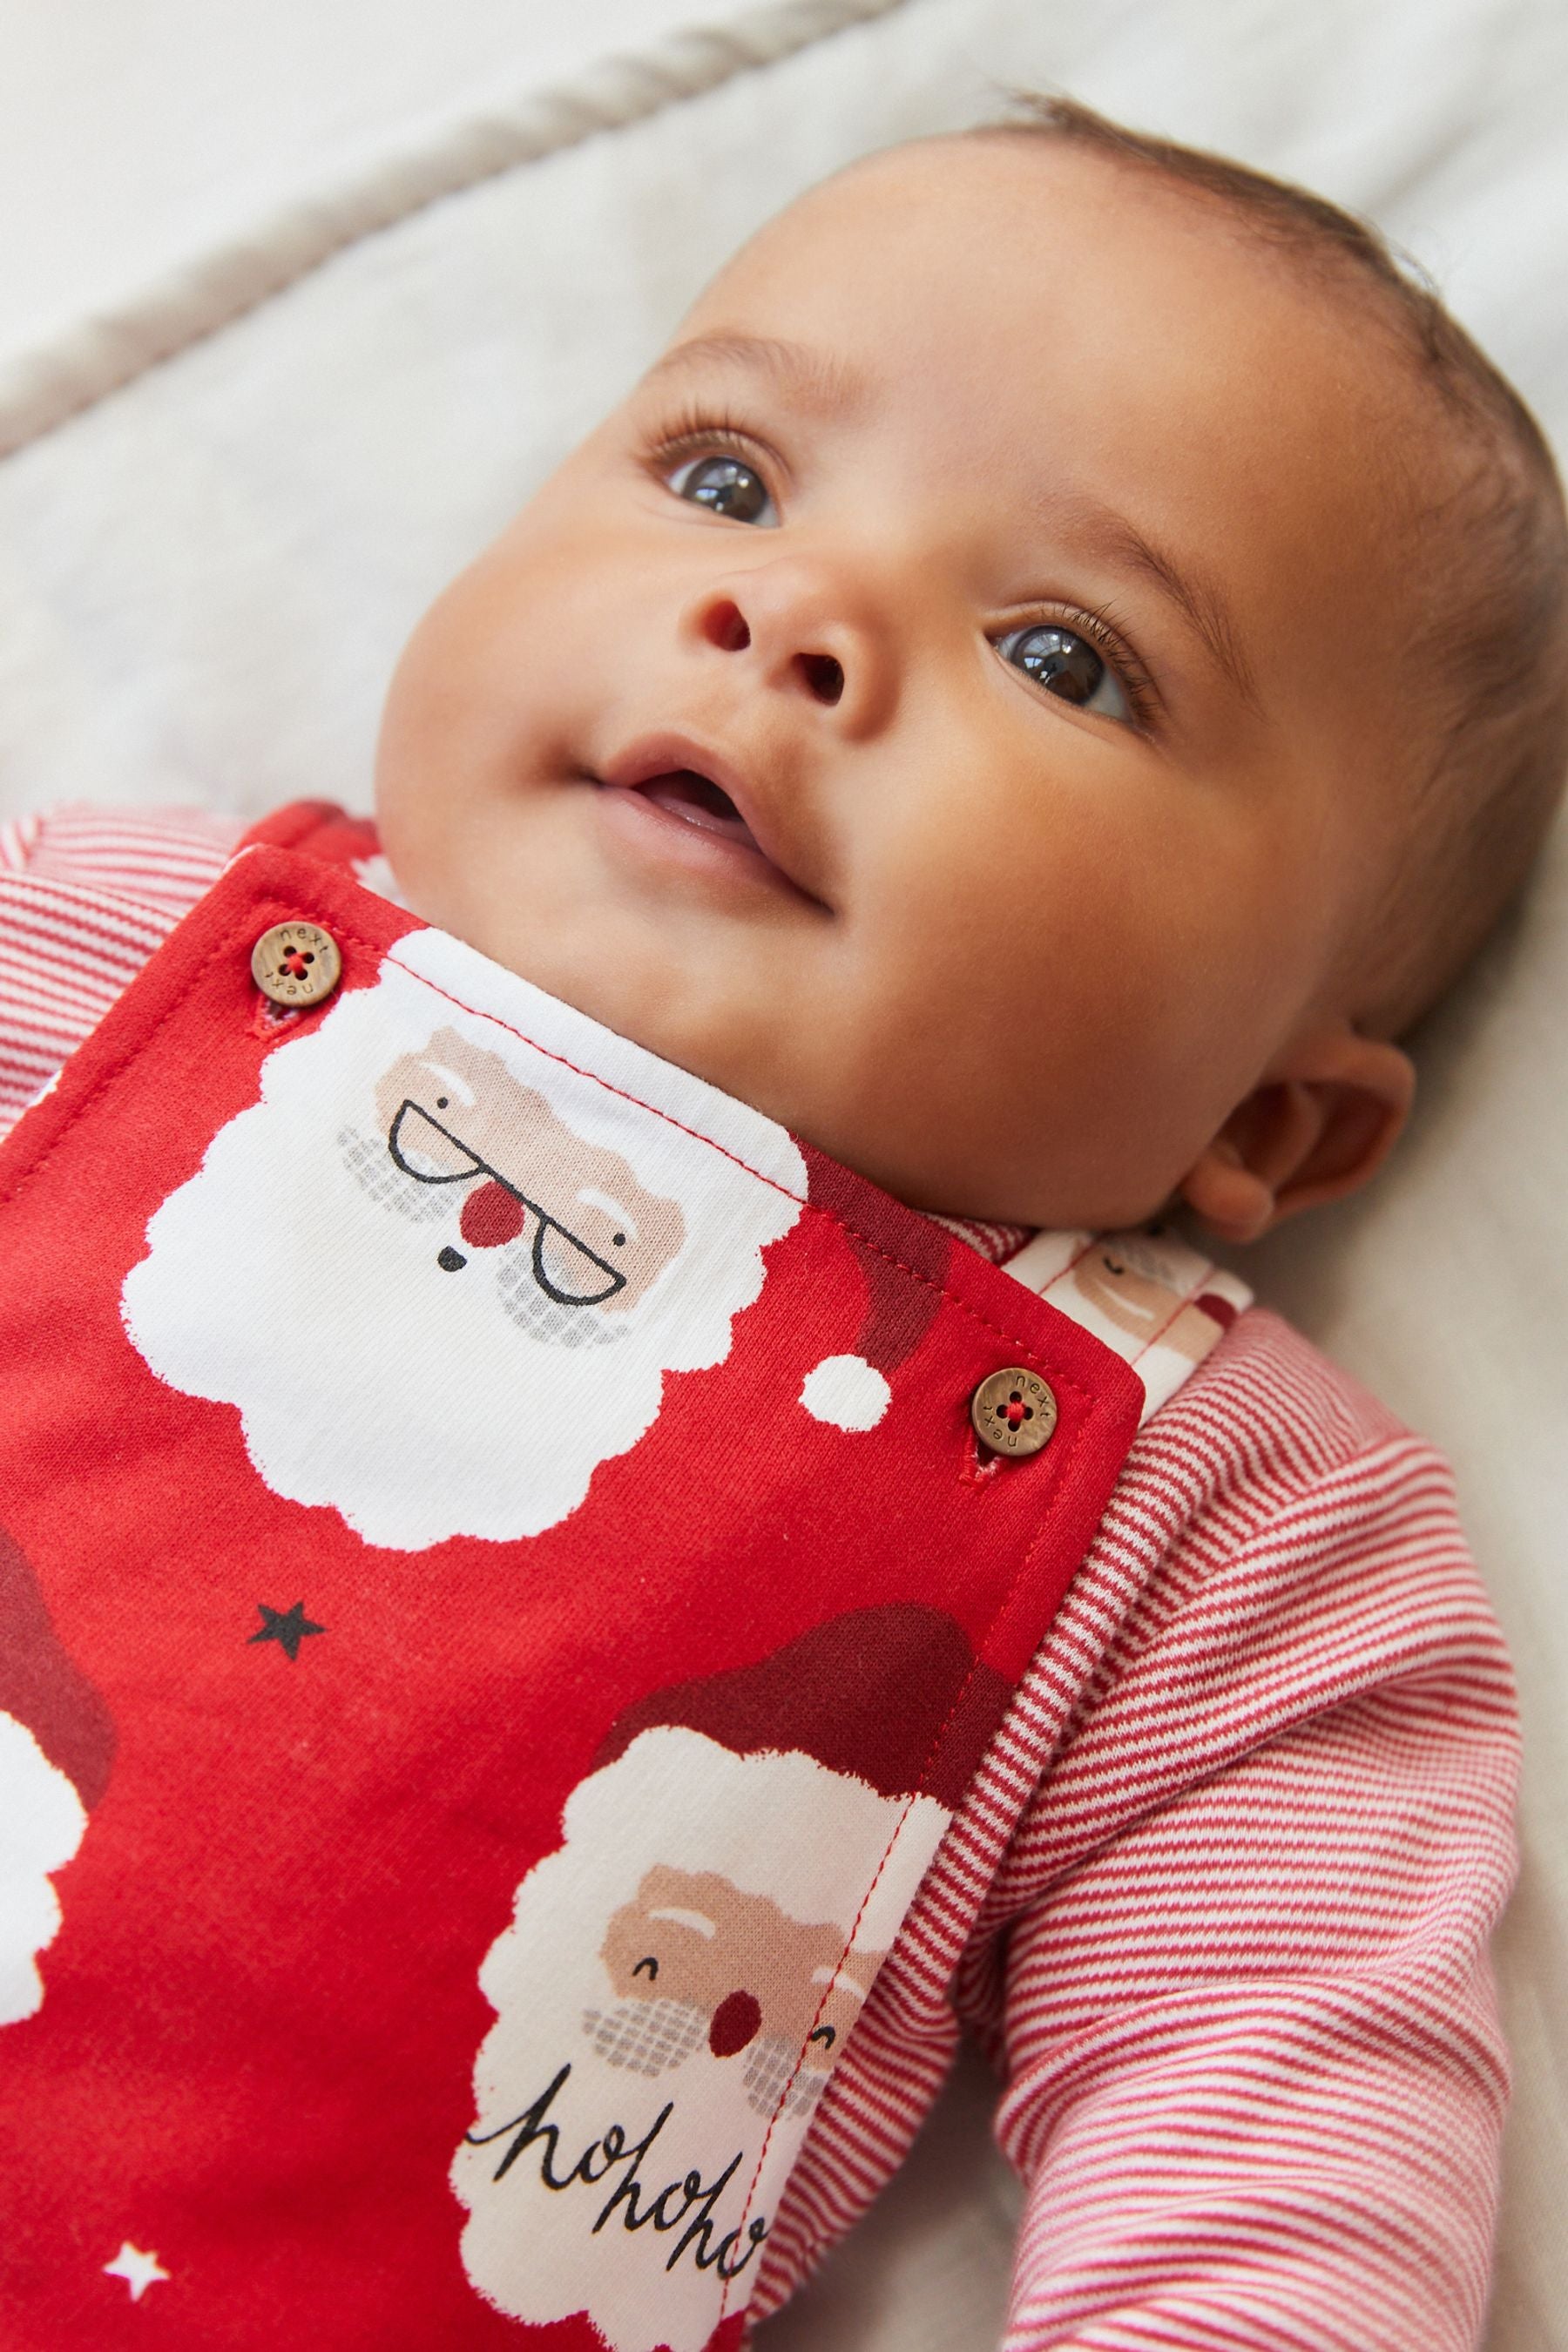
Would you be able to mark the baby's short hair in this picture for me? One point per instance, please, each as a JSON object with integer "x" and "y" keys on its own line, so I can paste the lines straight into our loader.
{"x": 1493, "y": 660}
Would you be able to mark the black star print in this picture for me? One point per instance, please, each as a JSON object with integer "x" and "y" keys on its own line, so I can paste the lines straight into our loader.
{"x": 288, "y": 1626}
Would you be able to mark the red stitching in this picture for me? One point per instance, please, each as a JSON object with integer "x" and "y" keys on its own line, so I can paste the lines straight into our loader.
{"x": 1175, "y": 1314}
{"x": 268, "y": 1019}
{"x": 1155, "y": 1336}
{"x": 972, "y": 1471}
{"x": 876, "y": 1880}
{"x": 389, "y": 955}
{"x": 1076, "y": 1260}
{"x": 697, "y": 1136}
{"x": 608, "y": 1084}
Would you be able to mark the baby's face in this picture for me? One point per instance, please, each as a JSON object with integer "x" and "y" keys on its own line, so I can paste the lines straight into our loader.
{"x": 948, "y": 703}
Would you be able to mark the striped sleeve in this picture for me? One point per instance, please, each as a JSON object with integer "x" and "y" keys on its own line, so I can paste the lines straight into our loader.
{"x": 86, "y": 896}
{"x": 1255, "y": 2077}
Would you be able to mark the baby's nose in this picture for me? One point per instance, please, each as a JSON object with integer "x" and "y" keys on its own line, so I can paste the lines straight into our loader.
{"x": 725, "y": 625}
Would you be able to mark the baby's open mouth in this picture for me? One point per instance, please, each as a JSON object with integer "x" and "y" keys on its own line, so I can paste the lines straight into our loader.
{"x": 697, "y": 800}
{"x": 712, "y": 800}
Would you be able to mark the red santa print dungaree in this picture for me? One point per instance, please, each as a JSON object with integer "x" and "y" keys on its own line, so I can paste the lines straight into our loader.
{"x": 501, "y": 1596}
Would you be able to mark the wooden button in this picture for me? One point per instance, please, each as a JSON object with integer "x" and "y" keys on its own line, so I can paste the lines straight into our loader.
{"x": 296, "y": 963}
{"x": 1013, "y": 1411}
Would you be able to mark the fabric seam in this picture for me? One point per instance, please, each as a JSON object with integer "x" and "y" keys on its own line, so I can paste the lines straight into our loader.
{"x": 1004, "y": 1598}
{"x": 802, "y": 1201}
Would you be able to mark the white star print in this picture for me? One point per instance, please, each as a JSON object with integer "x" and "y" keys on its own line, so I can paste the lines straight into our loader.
{"x": 138, "y": 2270}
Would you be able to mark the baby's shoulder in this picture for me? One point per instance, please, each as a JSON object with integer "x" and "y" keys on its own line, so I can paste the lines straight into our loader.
{"x": 86, "y": 896}
{"x": 1277, "y": 1517}
{"x": 1267, "y": 1362}
{"x": 155, "y": 857}
{"x": 1268, "y": 1421}
{"x": 146, "y": 859}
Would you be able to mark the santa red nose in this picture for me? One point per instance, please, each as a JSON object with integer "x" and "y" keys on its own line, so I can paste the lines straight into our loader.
{"x": 735, "y": 2022}
{"x": 491, "y": 1215}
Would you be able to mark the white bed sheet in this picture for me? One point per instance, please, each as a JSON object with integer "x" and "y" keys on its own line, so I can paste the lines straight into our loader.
{"x": 205, "y": 576}
{"x": 134, "y": 139}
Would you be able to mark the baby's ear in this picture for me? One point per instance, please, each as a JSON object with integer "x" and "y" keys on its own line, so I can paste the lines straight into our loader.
{"x": 1314, "y": 1128}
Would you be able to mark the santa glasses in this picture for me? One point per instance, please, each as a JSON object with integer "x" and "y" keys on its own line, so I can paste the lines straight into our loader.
{"x": 561, "y": 1261}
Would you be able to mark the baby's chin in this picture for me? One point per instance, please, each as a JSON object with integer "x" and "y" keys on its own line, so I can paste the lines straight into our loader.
{"x": 687, "y": 988}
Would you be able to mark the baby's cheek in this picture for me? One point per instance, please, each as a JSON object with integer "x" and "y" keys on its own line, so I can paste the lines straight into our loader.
{"x": 409, "y": 827}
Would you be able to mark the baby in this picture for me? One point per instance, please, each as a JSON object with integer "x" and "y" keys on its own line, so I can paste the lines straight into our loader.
{"x": 995, "y": 741}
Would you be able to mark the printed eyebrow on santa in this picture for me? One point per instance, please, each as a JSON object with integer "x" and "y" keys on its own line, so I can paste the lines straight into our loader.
{"x": 834, "y": 1981}
{"x": 676, "y": 1917}
{"x": 592, "y": 1198}
{"x": 446, "y": 1078}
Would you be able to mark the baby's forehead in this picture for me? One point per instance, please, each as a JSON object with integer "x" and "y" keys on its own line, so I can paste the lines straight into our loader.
{"x": 994, "y": 263}
{"x": 1021, "y": 222}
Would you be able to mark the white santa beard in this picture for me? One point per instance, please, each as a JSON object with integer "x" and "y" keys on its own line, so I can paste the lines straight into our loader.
{"x": 368, "y": 1379}
{"x": 778, "y": 1824}
{"x": 41, "y": 1822}
{"x": 534, "y": 2251}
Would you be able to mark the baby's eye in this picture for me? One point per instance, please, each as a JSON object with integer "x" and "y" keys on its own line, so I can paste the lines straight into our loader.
{"x": 1065, "y": 665}
{"x": 728, "y": 485}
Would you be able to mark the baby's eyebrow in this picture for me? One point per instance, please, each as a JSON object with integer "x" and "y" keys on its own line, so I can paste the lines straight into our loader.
{"x": 813, "y": 379}
{"x": 1194, "y": 596}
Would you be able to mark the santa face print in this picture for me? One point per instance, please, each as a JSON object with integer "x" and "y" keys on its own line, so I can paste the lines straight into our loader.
{"x": 1146, "y": 1292}
{"x": 696, "y": 1961}
{"x": 403, "y": 1264}
{"x": 1134, "y": 1284}
{"x": 579, "y": 1257}
{"x": 677, "y": 1984}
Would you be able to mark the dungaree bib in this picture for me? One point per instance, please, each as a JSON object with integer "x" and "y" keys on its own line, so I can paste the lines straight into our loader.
{"x": 500, "y": 1595}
